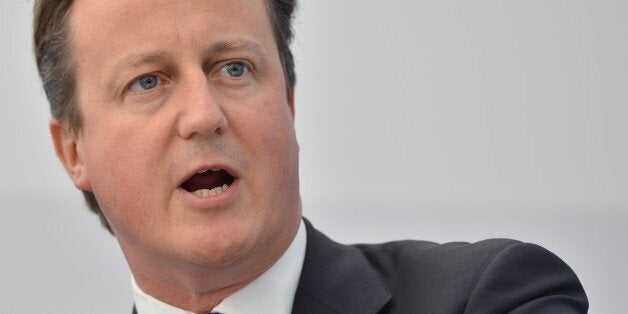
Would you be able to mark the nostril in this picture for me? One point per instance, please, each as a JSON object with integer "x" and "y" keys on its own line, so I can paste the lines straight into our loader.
{"x": 222, "y": 124}
{"x": 200, "y": 112}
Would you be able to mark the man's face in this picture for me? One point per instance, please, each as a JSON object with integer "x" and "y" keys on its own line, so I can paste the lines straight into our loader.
{"x": 181, "y": 99}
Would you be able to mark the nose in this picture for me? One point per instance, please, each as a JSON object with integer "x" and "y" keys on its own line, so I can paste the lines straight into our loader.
{"x": 200, "y": 113}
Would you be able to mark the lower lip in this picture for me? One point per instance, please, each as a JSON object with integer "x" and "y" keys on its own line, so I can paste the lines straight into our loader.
{"x": 211, "y": 202}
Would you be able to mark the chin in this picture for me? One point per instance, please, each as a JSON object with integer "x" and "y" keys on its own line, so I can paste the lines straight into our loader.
{"x": 212, "y": 248}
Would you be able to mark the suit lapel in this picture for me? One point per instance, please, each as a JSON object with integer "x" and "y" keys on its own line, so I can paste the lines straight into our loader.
{"x": 337, "y": 278}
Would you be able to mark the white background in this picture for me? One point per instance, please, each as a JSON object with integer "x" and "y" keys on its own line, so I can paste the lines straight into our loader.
{"x": 437, "y": 120}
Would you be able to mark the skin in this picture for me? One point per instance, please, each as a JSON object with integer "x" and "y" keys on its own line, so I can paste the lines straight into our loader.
{"x": 137, "y": 145}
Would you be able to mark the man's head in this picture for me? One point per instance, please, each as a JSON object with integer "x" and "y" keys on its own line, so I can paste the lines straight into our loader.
{"x": 52, "y": 51}
{"x": 159, "y": 105}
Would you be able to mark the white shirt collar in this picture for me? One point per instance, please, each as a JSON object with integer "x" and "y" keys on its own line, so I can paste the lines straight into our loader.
{"x": 272, "y": 292}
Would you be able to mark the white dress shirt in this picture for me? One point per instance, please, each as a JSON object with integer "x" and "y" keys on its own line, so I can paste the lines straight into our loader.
{"x": 272, "y": 292}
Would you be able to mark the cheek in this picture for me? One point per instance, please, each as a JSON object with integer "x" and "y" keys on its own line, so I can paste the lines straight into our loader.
{"x": 275, "y": 147}
{"x": 122, "y": 159}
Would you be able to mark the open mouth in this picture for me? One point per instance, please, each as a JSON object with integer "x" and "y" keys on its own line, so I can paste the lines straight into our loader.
{"x": 208, "y": 182}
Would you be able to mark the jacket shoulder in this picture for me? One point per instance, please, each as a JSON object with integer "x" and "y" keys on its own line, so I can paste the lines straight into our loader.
{"x": 430, "y": 277}
{"x": 413, "y": 249}
{"x": 490, "y": 276}
{"x": 433, "y": 262}
{"x": 527, "y": 278}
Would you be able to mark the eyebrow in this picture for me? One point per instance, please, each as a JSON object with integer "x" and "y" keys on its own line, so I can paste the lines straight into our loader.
{"x": 135, "y": 60}
{"x": 222, "y": 47}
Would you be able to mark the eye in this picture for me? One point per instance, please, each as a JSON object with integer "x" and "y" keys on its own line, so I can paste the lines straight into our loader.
{"x": 145, "y": 83}
{"x": 235, "y": 69}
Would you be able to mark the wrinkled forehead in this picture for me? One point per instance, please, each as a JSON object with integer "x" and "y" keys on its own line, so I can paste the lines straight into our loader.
{"x": 104, "y": 29}
{"x": 135, "y": 13}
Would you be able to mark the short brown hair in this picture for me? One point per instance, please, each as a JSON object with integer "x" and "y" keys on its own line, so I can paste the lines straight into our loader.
{"x": 51, "y": 35}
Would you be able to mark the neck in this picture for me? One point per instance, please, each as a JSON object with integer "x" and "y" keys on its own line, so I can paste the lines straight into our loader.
{"x": 200, "y": 288}
{"x": 185, "y": 299}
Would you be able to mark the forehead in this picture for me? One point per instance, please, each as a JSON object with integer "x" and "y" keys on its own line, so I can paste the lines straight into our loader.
{"x": 125, "y": 15}
{"x": 106, "y": 29}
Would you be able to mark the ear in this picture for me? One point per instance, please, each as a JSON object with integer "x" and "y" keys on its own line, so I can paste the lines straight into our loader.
{"x": 66, "y": 146}
{"x": 291, "y": 102}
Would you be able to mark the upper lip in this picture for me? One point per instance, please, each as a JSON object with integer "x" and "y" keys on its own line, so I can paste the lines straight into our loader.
{"x": 222, "y": 166}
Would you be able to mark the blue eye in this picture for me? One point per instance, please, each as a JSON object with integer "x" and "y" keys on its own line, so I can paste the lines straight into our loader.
{"x": 146, "y": 82}
{"x": 235, "y": 69}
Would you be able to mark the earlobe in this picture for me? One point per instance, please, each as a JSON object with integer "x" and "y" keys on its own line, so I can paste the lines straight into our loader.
{"x": 66, "y": 146}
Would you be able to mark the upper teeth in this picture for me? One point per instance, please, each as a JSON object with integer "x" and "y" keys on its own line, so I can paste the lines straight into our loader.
{"x": 215, "y": 191}
{"x": 205, "y": 170}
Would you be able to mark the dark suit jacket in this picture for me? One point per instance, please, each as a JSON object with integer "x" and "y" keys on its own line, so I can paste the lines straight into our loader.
{"x": 491, "y": 276}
